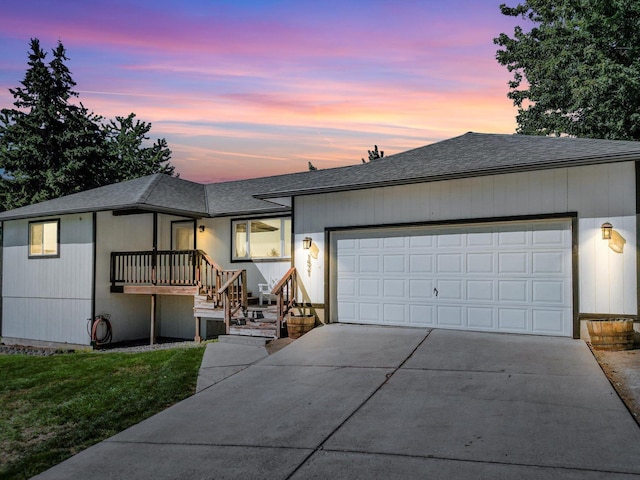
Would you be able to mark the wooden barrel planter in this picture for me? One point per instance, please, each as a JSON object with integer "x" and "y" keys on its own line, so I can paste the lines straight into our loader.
{"x": 611, "y": 334}
{"x": 298, "y": 325}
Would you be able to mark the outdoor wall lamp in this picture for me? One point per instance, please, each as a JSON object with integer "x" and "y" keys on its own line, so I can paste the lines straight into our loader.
{"x": 607, "y": 230}
{"x": 306, "y": 243}
{"x": 201, "y": 228}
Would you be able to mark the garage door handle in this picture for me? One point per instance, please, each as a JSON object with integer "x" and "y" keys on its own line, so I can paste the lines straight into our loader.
{"x": 435, "y": 290}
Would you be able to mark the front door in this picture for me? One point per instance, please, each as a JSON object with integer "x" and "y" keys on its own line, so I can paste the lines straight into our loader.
{"x": 183, "y": 235}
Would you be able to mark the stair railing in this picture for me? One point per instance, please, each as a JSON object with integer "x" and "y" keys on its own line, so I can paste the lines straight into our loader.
{"x": 234, "y": 296}
{"x": 286, "y": 290}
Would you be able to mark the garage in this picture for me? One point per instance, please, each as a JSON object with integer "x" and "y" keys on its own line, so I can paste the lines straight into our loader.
{"x": 511, "y": 277}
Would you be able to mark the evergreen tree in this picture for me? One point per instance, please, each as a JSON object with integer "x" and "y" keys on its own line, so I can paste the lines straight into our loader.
{"x": 50, "y": 147}
{"x": 374, "y": 154}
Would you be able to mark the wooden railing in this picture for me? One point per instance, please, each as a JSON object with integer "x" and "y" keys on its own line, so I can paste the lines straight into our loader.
{"x": 286, "y": 290}
{"x": 171, "y": 268}
{"x": 234, "y": 296}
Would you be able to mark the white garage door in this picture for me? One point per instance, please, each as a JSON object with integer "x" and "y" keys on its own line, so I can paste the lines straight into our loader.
{"x": 513, "y": 277}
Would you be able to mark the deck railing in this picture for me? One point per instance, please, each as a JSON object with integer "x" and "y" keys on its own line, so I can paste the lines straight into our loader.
{"x": 286, "y": 290}
{"x": 170, "y": 268}
{"x": 234, "y": 296}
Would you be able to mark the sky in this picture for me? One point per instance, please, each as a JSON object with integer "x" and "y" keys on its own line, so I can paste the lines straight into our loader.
{"x": 243, "y": 89}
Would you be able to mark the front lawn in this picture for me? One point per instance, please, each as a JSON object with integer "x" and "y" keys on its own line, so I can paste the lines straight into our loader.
{"x": 53, "y": 407}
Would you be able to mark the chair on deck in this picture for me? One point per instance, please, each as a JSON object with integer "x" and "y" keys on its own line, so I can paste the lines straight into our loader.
{"x": 264, "y": 290}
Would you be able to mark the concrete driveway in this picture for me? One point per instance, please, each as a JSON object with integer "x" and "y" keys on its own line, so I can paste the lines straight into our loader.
{"x": 372, "y": 402}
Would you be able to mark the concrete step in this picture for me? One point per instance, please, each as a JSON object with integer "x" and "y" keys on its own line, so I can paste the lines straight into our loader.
{"x": 244, "y": 340}
{"x": 267, "y": 331}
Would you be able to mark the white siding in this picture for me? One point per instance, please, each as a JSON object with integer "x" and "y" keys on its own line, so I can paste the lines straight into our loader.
{"x": 130, "y": 314}
{"x": 607, "y": 280}
{"x": 216, "y": 241}
{"x": 48, "y": 299}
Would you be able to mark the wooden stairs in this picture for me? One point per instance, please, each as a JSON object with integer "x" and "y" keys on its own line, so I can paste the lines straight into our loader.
{"x": 254, "y": 321}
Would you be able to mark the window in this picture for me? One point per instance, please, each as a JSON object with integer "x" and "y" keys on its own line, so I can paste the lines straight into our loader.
{"x": 43, "y": 238}
{"x": 261, "y": 238}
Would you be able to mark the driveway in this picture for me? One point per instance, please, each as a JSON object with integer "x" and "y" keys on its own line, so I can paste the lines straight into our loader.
{"x": 374, "y": 402}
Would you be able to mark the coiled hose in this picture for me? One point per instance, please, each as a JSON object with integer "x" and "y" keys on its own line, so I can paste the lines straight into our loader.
{"x": 93, "y": 326}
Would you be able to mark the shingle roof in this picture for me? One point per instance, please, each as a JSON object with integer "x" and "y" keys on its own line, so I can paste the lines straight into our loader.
{"x": 469, "y": 155}
{"x": 157, "y": 192}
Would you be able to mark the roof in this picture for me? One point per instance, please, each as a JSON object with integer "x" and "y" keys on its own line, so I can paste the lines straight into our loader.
{"x": 469, "y": 155}
{"x": 158, "y": 192}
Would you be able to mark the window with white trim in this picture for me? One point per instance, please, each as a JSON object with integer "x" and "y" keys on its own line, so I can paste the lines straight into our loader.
{"x": 261, "y": 239}
{"x": 43, "y": 238}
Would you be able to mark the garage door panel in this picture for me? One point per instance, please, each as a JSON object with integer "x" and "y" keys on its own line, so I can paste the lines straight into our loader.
{"x": 449, "y": 263}
{"x": 450, "y": 290}
{"x": 481, "y": 239}
{"x": 394, "y": 313}
{"x": 394, "y": 242}
{"x": 394, "y": 263}
{"x": 369, "y": 243}
{"x": 549, "y": 322}
{"x": 492, "y": 277}
{"x": 369, "y": 312}
{"x": 347, "y": 287}
{"x": 394, "y": 288}
{"x": 421, "y": 263}
{"x": 513, "y": 262}
{"x": 512, "y": 291}
{"x": 421, "y": 241}
{"x": 513, "y": 319}
{"x": 450, "y": 315}
{"x": 480, "y": 263}
{"x": 549, "y": 237}
{"x": 420, "y": 289}
{"x": 548, "y": 292}
{"x": 480, "y": 290}
{"x": 369, "y": 264}
{"x": 511, "y": 238}
{"x": 347, "y": 264}
{"x": 369, "y": 287}
{"x": 545, "y": 263}
{"x": 481, "y": 317}
{"x": 449, "y": 240}
{"x": 421, "y": 315}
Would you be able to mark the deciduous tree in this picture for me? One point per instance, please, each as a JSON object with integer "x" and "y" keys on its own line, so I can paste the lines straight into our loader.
{"x": 576, "y": 67}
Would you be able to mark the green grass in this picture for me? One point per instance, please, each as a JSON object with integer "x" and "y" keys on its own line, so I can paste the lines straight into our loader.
{"x": 53, "y": 407}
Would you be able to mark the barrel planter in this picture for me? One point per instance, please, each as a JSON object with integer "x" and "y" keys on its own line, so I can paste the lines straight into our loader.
{"x": 611, "y": 334}
{"x": 298, "y": 325}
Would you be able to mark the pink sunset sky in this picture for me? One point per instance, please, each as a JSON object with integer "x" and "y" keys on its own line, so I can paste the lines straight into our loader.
{"x": 243, "y": 89}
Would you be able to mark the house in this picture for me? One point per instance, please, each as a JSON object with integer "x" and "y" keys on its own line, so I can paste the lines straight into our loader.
{"x": 485, "y": 232}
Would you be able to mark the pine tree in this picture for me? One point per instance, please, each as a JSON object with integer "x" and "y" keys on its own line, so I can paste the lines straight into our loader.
{"x": 51, "y": 146}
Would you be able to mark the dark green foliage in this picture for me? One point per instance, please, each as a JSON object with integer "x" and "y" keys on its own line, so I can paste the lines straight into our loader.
{"x": 374, "y": 154}
{"x": 576, "y": 66}
{"x": 53, "y": 407}
{"x": 50, "y": 147}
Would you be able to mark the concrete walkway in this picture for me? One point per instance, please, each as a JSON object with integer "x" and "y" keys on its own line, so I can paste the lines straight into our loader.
{"x": 373, "y": 402}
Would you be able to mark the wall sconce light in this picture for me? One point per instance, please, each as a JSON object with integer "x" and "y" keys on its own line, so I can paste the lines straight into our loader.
{"x": 607, "y": 230}
{"x": 201, "y": 228}
{"x": 306, "y": 243}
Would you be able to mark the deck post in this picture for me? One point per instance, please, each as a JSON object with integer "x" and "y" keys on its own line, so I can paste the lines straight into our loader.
{"x": 152, "y": 335}
{"x": 197, "y": 338}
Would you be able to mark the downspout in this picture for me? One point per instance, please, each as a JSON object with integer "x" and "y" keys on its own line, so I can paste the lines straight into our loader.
{"x": 94, "y": 273}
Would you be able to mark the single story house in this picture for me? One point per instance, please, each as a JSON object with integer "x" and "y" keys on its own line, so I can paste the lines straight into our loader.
{"x": 487, "y": 232}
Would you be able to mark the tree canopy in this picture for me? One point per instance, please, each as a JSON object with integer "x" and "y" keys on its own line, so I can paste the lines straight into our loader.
{"x": 374, "y": 154}
{"x": 50, "y": 146}
{"x": 576, "y": 67}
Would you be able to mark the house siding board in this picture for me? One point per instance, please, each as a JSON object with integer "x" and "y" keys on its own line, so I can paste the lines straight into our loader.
{"x": 48, "y": 299}
{"x": 130, "y": 314}
{"x": 598, "y": 193}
